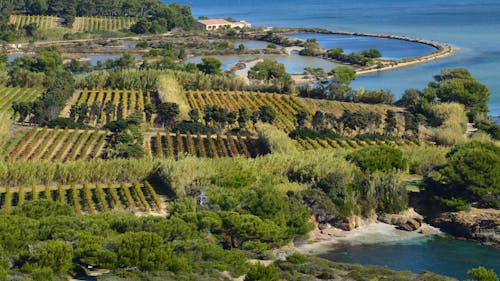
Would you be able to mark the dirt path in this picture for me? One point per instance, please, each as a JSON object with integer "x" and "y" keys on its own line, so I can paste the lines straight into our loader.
{"x": 243, "y": 73}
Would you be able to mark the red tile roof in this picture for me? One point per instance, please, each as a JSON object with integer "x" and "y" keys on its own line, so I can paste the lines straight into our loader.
{"x": 215, "y": 22}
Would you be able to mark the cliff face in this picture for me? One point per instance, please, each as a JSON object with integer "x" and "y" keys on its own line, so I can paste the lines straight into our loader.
{"x": 482, "y": 225}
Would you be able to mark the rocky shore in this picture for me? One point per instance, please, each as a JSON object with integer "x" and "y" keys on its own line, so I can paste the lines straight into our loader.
{"x": 356, "y": 230}
{"x": 482, "y": 225}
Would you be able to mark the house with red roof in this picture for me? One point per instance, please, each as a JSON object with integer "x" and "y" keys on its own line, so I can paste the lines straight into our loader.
{"x": 213, "y": 24}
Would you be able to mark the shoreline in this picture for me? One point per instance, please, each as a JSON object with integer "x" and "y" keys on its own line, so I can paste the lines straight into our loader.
{"x": 372, "y": 233}
{"x": 443, "y": 50}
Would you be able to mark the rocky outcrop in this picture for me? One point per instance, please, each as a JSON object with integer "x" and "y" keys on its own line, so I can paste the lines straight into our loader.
{"x": 482, "y": 225}
{"x": 407, "y": 220}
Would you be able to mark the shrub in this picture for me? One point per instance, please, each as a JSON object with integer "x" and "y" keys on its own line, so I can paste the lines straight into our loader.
{"x": 261, "y": 272}
{"x": 378, "y": 158}
{"x": 296, "y": 258}
{"x": 471, "y": 175}
{"x": 482, "y": 274}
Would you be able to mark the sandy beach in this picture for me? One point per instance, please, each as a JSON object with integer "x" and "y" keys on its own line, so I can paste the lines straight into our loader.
{"x": 372, "y": 233}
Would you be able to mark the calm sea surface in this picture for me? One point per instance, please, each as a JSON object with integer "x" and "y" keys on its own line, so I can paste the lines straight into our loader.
{"x": 472, "y": 25}
{"x": 441, "y": 255}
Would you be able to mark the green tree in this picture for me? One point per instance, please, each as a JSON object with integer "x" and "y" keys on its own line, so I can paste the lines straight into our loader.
{"x": 471, "y": 175}
{"x": 210, "y": 65}
{"x": 267, "y": 114}
{"x": 302, "y": 116}
{"x": 458, "y": 85}
{"x": 390, "y": 122}
{"x": 340, "y": 87}
{"x": 53, "y": 254}
{"x": 268, "y": 70}
{"x": 141, "y": 249}
{"x": 167, "y": 114}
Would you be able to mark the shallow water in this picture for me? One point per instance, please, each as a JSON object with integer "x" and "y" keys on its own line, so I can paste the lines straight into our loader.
{"x": 390, "y": 48}
{"x": 441, "y": 255}
{"x": 251, "y": 44}
{"x": 471, "y": 25}
{"x": 294, "y": 63}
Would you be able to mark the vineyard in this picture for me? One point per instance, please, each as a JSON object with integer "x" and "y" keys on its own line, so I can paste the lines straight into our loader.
{"x": 89, "y": 198}
{"x": 175, "y": 145}
{"x": 286, "y": 107}
{"x": 95, "y": 24}
{"x": 328, "y": 143}
{"x": 60, "y": 145}
{"x": 9, "y": 95}
{"x": 81, "y": 24}
{"x": 112, "y": 105}
{"x": 337, "y": 107}
{"x": 42, "y": 22}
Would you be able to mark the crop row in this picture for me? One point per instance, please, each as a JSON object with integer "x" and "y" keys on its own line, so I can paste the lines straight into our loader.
{"x": 88, "y": 198}
{"x": 81, "y": 24}
{"x": 329, "y": 143}
{"x": 286, "y": 107}
{"x": 59, "y": 145}
{"x": 42, "y": 22}
{"x": 9, "y": 95}
{"x": 94, "y": 24}
{"x": 175, "y": 145}
{"x": 113, "y": 104}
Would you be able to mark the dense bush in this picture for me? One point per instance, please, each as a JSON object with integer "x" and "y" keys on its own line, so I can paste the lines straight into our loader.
{"x": 470, "y": 176}
{"x": 378, "y": 158}
{"x": 304, "y": 133}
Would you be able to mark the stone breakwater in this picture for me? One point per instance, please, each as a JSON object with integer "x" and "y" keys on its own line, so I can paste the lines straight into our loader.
{"x": 442, "y": 49}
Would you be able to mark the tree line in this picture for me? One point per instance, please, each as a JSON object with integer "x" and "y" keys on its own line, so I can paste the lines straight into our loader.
{"x": 154, "y": 16}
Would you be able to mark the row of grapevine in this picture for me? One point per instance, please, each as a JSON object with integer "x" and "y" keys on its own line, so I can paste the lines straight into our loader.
{"x": 60, "y": 145}
{"x": 81, "y": 24}
{"x": 175, "y": 145}
{"x": 113, "y": 104}
{"x": 328, "y": 143}
{"x": 94, "y": 24}
{"x": 89, "y": 198}
{"x": 9, "y": 95}
{"x": 42, "y": 22}
{"x": 286, "y": 107}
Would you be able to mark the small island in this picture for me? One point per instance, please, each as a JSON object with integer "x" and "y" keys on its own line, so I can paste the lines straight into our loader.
{"x": 129, "y": 150}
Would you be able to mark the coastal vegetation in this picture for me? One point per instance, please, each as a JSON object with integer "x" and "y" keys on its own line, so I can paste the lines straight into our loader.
{"x": 59, "y": 19}
{"x": 162, "y": 169}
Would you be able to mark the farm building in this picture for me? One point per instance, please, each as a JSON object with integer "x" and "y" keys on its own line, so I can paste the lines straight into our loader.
{"x": 214, "y": 24}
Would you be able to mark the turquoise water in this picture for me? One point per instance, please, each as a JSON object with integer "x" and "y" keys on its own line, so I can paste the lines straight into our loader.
{"x": 441, "y": 255}
{"x": 390, "y": 48}
{"x": 472, "y": 25}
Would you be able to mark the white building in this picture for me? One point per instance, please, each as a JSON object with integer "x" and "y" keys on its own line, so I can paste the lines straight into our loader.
{"x": 218, "y": 23}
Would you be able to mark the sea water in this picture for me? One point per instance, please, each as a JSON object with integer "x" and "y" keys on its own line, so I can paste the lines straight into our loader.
{"x": 446, "y": 256}
{"x": 471, "y": 25}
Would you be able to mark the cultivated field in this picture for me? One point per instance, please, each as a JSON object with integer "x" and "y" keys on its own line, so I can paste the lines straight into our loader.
{"x": 89, "y": 198}
{"x": 286, "y": 107}
{"x": 96, "y": 24}
{"x": 329, "y": 143}
{"x": 9, "y": 95}
{"x": 111, "y": 105}
{"x": 60, "y": 145}
{"x": 167, "y": 144}
{"x": 81, "y": 24}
